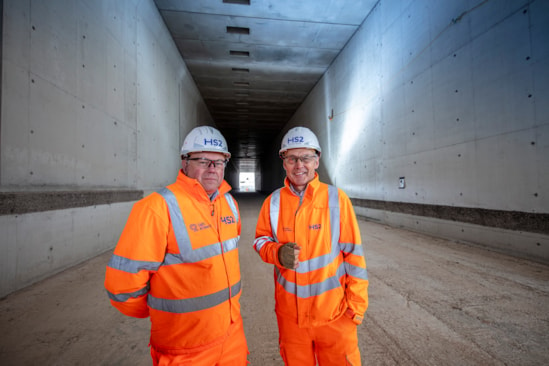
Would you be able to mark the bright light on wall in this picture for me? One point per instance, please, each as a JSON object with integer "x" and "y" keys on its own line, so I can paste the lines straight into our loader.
{"x": 247, "y": 182}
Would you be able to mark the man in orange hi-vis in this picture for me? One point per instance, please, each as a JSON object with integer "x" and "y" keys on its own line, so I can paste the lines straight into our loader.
{"x": 177, "y": 262}
{"x": 308, "y": 230}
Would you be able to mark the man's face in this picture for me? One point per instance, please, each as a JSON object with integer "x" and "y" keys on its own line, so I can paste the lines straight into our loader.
{"x": 300, "y": 166}
{"x": 209, "y": 175}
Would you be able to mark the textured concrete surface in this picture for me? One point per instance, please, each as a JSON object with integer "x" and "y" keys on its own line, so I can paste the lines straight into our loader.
{"x": 432, "y": 302}
{"x": 448, "y": 95}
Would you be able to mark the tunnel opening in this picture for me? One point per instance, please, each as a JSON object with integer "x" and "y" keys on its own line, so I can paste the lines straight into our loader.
{"x": 246, "y": 182}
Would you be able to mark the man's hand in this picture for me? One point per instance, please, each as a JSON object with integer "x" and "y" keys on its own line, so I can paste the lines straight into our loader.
{"x": 288, "y": 255}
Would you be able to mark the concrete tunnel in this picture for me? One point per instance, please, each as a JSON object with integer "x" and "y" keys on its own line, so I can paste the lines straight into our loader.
{"x": 433, "y": 118}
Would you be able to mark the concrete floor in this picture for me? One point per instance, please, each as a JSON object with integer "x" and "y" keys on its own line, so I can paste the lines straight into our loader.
{"x": 432, "y": 302}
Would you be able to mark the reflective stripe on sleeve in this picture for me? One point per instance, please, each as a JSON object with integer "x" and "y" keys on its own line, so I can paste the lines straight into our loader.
{"x": 130, "y": 265}
{"x": 128, "y": 295}
{"x": 355, "y": 271}
{"x": 261, "y": 241}
{"x": 351, "y": 248}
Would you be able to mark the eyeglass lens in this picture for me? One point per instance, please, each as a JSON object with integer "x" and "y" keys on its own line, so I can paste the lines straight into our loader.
{"x": 305, "y": 159}
{"x": 206, "y": 163}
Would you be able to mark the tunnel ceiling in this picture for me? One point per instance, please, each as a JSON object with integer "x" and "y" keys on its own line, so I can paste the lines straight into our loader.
{"x": 255, "y": 61}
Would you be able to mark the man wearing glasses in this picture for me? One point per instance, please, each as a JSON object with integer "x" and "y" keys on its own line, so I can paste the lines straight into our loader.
{"x": 177, "y": 262}
{"x": 308, "y": 231}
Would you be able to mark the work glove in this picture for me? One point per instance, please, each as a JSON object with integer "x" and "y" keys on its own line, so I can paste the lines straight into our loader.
{"x": 288, "y": 255}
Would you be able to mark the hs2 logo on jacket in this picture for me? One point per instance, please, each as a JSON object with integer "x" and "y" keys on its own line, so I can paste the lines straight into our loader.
{"x": 203, "y": 226}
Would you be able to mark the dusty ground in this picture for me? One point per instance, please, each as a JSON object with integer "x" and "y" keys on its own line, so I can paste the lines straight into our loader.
{"x": 432, "y": 302}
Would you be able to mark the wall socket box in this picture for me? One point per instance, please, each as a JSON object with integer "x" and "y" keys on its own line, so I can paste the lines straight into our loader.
{"x": 401, "y": 183}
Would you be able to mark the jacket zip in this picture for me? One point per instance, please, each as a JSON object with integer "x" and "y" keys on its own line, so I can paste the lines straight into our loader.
{"x": 222, "y": 255}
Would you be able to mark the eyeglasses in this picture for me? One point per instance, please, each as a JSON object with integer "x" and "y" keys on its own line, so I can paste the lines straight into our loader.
{"x": 206, "y": 163}
{"x": 305, "y": 159}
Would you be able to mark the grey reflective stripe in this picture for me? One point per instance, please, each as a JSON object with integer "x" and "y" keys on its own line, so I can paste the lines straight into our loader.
{"x": 261, "y": 241}
{"x": 333, "y": 204}
{"x": 230, "y": 244}
{"x": 274, "y": 210}
{"x": 200, "y": 254}
{"x": 178, "y": 224}
{"x": 351, "y": 248}
{"x": 355, "y": 271}
{"x": 190, "y": 305}
{"x": 130, "y": 265}
{"x": 313, "y": 289}
{"x": 232, "y": 205}
{"x": 318, "y": 262}
{"x": 126, "y": 296}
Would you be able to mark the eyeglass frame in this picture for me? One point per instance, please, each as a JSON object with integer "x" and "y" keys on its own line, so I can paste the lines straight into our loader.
{"x": 203, "y": 161}
{"x": 292, "y": 159}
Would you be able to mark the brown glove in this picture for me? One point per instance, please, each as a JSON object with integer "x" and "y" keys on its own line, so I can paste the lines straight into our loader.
{"x": 288, "y": 255}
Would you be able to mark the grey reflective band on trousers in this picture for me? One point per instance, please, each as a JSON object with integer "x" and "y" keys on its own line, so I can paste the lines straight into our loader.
{"x": 321, "y": 261}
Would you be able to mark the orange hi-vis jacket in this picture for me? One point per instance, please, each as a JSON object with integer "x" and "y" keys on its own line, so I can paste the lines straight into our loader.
{"x": 177, "y": 262}
{"x": 331, "y": 277}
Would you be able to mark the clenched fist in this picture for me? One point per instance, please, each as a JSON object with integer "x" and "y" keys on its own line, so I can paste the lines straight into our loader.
{"x": 288, "y": 255}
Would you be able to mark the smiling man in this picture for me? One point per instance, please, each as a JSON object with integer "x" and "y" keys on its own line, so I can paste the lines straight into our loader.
{"x": 177, "y": 262}
{"x": 308, "y": 231}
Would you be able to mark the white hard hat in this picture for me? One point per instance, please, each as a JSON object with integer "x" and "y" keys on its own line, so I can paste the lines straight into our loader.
{"x": 205, "y": 138}
{"x": 299, "y": 137}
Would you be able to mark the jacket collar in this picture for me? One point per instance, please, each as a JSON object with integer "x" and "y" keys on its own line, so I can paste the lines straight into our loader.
{"x": 195, "y": 189}
{"x": 309, "y": 190}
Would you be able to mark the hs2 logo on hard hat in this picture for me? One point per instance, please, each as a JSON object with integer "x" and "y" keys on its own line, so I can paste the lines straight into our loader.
{"x": 295, "y": 139}
{"x": 213, "y": 142}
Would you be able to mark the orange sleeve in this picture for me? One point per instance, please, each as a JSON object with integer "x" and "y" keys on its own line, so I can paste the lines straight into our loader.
{"x": 137, "y": 256}
{"x": 356, "y": 280}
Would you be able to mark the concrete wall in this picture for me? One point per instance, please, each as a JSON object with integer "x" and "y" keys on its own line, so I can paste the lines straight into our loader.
{"x": 452, "y": 97}
{"x": 95, "y": 103}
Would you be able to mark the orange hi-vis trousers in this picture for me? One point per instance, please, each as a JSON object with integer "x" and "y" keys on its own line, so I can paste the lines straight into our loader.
{"x": 233, "y": 351}
{"x": 333, "y": 344}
